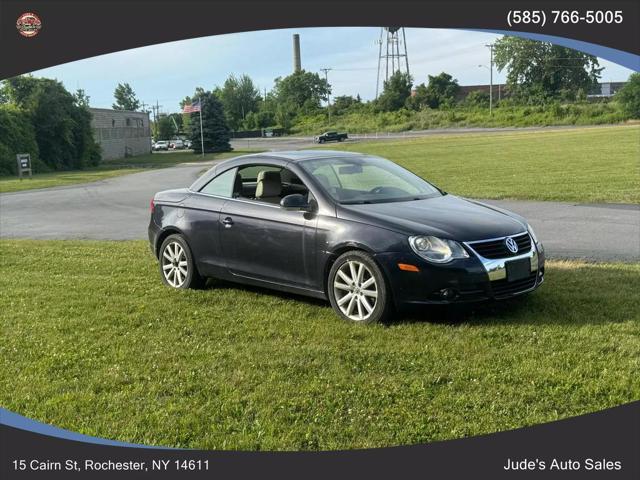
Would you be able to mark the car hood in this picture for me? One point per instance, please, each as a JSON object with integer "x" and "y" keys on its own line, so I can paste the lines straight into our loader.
{"x": 446, "y": 216}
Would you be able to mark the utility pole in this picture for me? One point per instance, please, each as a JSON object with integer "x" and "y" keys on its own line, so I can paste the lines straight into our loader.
{"x": 490, "y": 46}
{"x": 156, "y": 116}
{"x": 326, "y": 77}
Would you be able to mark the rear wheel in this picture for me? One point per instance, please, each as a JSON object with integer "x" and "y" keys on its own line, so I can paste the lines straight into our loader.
{"x": 357, "y": 289}
{"x": 177, "y": 267}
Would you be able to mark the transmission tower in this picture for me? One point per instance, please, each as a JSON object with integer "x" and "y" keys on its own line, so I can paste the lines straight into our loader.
{"x": 392, "y": 55}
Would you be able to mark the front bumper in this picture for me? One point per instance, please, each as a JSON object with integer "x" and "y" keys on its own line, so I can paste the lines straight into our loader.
{"x": 471, "y": 279}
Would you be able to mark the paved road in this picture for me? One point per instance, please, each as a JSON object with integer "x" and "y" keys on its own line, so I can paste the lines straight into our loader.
{"x": 301, "y": 142}
{"x": 118, "y": 209}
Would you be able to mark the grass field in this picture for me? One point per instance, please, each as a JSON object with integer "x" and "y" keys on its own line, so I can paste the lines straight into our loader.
{"x": 599, "y": 164}
{"x": 109, "y": 169}
{"x": 92, "y": 342}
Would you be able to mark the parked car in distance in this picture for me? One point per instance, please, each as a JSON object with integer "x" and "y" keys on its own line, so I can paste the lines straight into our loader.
{"x": 161, "y": 145}
{"x": 187, "y": 144}
{"x": 357, "y": 230}
{"x": 176, "y": 144}
{"x": 330, "y": 137}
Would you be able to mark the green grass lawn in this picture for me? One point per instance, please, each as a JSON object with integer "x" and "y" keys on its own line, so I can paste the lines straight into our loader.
{"x": 92, "y": 342}
{"x": 111, "y": 168}
{"x": 583, "y": 165}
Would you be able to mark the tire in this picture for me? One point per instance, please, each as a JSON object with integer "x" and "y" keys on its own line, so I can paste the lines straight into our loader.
{"x": 177, "y": 268}
{"x": 358, "y": 290}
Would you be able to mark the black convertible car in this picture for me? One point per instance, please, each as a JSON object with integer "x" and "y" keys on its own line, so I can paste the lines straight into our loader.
{"x": 355, "y": 229}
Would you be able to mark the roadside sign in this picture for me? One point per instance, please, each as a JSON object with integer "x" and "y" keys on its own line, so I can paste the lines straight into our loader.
{"x": 24, "y": 165}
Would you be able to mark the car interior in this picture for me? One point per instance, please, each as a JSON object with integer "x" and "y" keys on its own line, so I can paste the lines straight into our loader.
{"x": 267, "y": 183}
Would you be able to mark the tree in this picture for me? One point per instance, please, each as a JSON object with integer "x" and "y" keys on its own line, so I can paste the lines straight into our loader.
{"x": 418, "y": 99}
{"x": 81, "y": 98}
{"x": 177, "y": 120}
{"x": 441, "y": 90}
{"x": 239, "y": 97}
{"x": 629, "y": 96}
{"x": 125, "y": 98}
{"x": 343, "y": 103}
{"x": 62, "y": 127}
{"x": 17, "y": 135}
{"x": 285, "y": 114}
{"x": 165, "y": 128}
{"x": 395, "y": 92}
{"x": 258, "y": 120}
{"x": 216, "y": 133}
{"x": 477, "y": 98}
{"x": 303, "y": 90}
{"x": 4, "y": 95}
{"x": 537, "y": 71}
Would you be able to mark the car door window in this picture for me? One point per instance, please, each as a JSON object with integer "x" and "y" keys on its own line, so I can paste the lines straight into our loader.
{"x": 222, "y": 185}
{"x": 250, "y": 173}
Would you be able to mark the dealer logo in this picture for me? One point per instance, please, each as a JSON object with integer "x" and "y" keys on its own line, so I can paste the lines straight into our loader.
{"x": 511, "y": 245}
{"x": 28, "y": 24}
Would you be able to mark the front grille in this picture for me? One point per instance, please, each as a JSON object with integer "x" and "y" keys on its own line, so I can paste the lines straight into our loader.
{"x": 493, "y": 249}
{"x": 502, "y": 288}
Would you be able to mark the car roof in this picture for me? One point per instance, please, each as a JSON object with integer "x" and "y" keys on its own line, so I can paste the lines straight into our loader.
{"x": 298, "y": 155}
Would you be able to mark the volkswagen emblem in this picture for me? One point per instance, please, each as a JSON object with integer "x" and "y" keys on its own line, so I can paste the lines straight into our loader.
{"x": 511, "y": 244}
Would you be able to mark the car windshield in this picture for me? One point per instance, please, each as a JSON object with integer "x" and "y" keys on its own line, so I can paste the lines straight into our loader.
{"x": 364, "y": 179}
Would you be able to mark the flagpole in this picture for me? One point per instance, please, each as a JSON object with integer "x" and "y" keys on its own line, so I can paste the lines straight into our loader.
{"x": 201, "y": 135}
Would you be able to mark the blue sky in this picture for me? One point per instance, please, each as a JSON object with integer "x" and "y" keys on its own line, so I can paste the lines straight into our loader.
{"x": 170, "y": 71}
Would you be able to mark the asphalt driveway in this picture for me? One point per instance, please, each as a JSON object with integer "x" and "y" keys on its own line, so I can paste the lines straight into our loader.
{"x": 118, "y": 209}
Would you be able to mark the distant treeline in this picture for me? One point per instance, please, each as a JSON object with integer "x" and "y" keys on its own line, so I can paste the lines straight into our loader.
{"x": 40, "y": 117}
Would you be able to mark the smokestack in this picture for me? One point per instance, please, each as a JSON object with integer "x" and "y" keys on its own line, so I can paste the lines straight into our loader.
{"x": 297, "y": 66}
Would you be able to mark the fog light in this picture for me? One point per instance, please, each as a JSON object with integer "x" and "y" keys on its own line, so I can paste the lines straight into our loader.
{"x": 447, "y": 293}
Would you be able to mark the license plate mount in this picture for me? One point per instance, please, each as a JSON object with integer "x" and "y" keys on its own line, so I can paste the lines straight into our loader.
{"x": 518, "y": 269}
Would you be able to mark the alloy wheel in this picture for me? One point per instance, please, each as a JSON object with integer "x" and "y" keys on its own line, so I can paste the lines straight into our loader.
{"x": 175, "y": 267}
{"x": 355, "y": 290}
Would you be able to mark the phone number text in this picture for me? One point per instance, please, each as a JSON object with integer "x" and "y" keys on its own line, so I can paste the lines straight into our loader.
{"x": 540, "y": 17}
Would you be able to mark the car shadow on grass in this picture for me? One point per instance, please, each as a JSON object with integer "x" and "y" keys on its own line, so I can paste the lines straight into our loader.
{"x": 477, "y": 313}
{"x": 225, "y": 285}
{"x": 573, "y": 295}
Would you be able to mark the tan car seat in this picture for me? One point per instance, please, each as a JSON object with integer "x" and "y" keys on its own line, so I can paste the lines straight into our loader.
{"x": 269, "y": 186}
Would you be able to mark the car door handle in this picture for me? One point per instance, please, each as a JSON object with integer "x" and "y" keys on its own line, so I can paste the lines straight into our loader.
{"x": 228, "y": 221}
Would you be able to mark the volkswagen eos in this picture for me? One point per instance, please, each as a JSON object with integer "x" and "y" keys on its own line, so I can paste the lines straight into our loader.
{"x": 355, "y": 229}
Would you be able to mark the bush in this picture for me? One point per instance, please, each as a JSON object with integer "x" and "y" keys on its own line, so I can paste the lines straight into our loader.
{"x": 506, "y": 114}
{"x": 17, "y": 136}
{"x": 61, "y": 127}
{"x": 629, "y": 96}
{"x": 477, "y": 98}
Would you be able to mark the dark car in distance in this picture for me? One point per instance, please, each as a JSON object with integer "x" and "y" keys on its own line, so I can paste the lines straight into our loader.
{"x": 330, "y": 137}
{"x": 357, "y": 230}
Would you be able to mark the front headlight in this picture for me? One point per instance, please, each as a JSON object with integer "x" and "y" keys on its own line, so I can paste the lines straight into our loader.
{"x": 437, "y": 250}
{"x": 532, "y": 233}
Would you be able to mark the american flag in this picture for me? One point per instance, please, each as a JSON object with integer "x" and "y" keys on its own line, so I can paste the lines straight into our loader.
{"x": 194, "y": 107}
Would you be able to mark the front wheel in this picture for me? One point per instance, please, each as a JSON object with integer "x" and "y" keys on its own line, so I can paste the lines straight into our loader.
{"x": 357, "y": 289}
{"x": 177, "y": 266}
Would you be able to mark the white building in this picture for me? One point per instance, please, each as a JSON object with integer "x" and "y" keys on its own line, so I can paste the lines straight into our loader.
{"x": 121, "y": 133}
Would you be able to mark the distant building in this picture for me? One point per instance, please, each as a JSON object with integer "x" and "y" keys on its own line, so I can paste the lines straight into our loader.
{"x": 499, "y": 90}
{"x": 121, "y": 133}
{"x": 606, "y": 89}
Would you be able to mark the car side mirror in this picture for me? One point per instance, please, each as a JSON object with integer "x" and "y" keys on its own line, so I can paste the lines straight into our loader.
{"x": 295, "y": 201}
